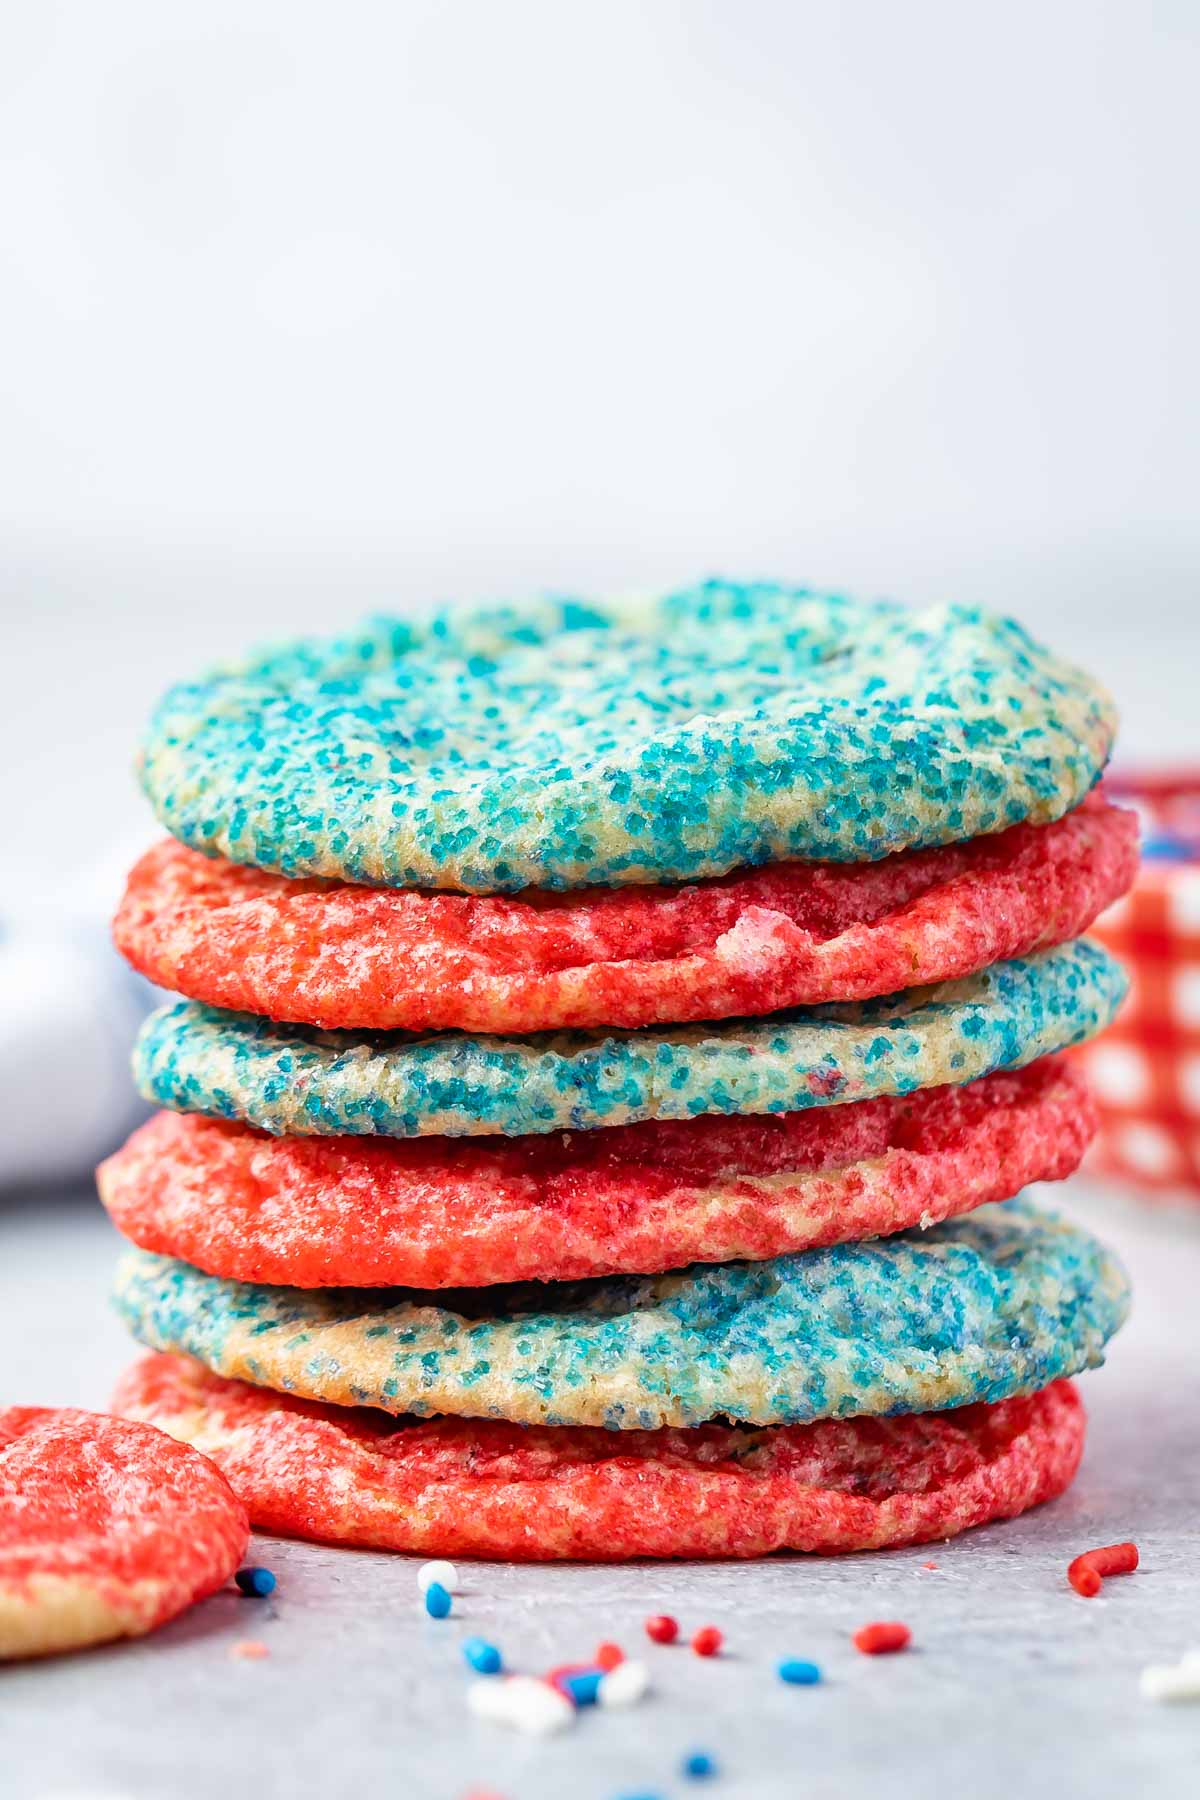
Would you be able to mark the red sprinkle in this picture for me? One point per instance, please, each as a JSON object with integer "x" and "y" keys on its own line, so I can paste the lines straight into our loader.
{"x": 1114, "y": 1559}
{"x": 608, "y": 1656}
{"x": 662, "y": 1629}
{"x": 250, "y": 1649}
{"x": 881, "y": 1638}
{"x": 1086, "y": 1572}
{"x": 707, "y": 1641}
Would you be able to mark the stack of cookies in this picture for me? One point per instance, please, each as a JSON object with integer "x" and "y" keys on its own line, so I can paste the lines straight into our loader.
{"x": 611, "y": 1045}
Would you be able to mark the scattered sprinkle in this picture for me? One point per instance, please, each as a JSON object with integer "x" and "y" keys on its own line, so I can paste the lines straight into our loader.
{"x": 707, "y": 1641}
{"x": 256, "y": 1582}
{"x": 1086, "y": 1573}
{"x": 608, "y": 1656}
{"x": 483, "y": 1657}
{"x": 931, "y": 1566}
{"x": 581, "y": 1686}
{"x": 799, "y": 1673}
{"x": 661, "y": 1628}
{"x": 625, "y": 1685}
{"x": 1173, "y": 1681}
{"x": 881, "y": 1638}
{"x": 444, "y": 1573}
{"x": 249, "y": 1650}
{"x": 558, "y": 1674}
{"x": 1084, "y": 1579}
{"x": 523, "y": 1702}
{"x": 698, "y": 1765}
{"x": 437, "y": 1601}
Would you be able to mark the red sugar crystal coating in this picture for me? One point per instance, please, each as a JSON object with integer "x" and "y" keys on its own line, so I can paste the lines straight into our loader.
{"x": 792, "y": 934}
{"x": 107, "y": 1528}
{"x": 456, "y": 1487}
{"x": 467, "y": 1212}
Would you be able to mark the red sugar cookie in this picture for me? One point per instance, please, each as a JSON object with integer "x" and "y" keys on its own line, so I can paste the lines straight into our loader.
{"x": 466, "y": 1212}
{"x": 792, "y": 934}
{"x": 107, "y": 1529}
{"x": 453, "y": 1487}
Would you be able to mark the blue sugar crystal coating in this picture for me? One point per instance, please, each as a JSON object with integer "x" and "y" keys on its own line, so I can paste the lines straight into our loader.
{"x": 559, "y": 744}
{"x": 293, "y": 1081}
{"x": 1001, "y": 1301}
{"x": 798, "y": 1672}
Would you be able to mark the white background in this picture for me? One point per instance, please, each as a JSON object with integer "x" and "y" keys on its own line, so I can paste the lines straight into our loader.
{"x": 309, "y": 310}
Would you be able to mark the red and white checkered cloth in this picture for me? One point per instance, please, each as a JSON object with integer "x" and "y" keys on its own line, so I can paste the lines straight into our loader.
{"x": 1145, "y": 1070}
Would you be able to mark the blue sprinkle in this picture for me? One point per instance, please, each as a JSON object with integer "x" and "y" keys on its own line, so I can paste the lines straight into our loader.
{"x": 800, "y": 1674}
{"x": 698, "y": 1765}
{"x": 482, "y": 1656}
{"x": 582, "y": 1689}
{"x": 256, "y": 1582}
{"x": 1170, "y": 849}
{"x": 437, "y": 1601}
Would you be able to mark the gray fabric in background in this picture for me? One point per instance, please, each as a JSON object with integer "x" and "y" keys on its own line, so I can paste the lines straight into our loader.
{"x": 69, "y": 1011}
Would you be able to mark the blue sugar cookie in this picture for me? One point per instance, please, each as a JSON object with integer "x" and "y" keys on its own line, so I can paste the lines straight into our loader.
{"x": 999, "y": 1302}
{"x": 294, "y": 1081}
{"x": 558, "y": 745}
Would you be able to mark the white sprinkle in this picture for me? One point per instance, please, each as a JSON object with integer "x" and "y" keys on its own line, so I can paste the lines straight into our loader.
{"x": 486, "y": 1699}
{"x": 523, "y": 1702}
{"x": 1173, "y": 1681}
{"x": 444, "y": 1573}
{"x": 625, "y": 1685}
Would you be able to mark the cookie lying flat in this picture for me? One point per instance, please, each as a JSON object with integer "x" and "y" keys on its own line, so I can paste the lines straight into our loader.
{"x": 107, "y": 1529}
{"x": 536, "y": 1494}
{"x": 1000, "y": 1302}
{"x": 794, "y": 934}
{"x": 560, "y": 745}
{"x": 439, "y": 1212}
{"x": 293, "y": 1081}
